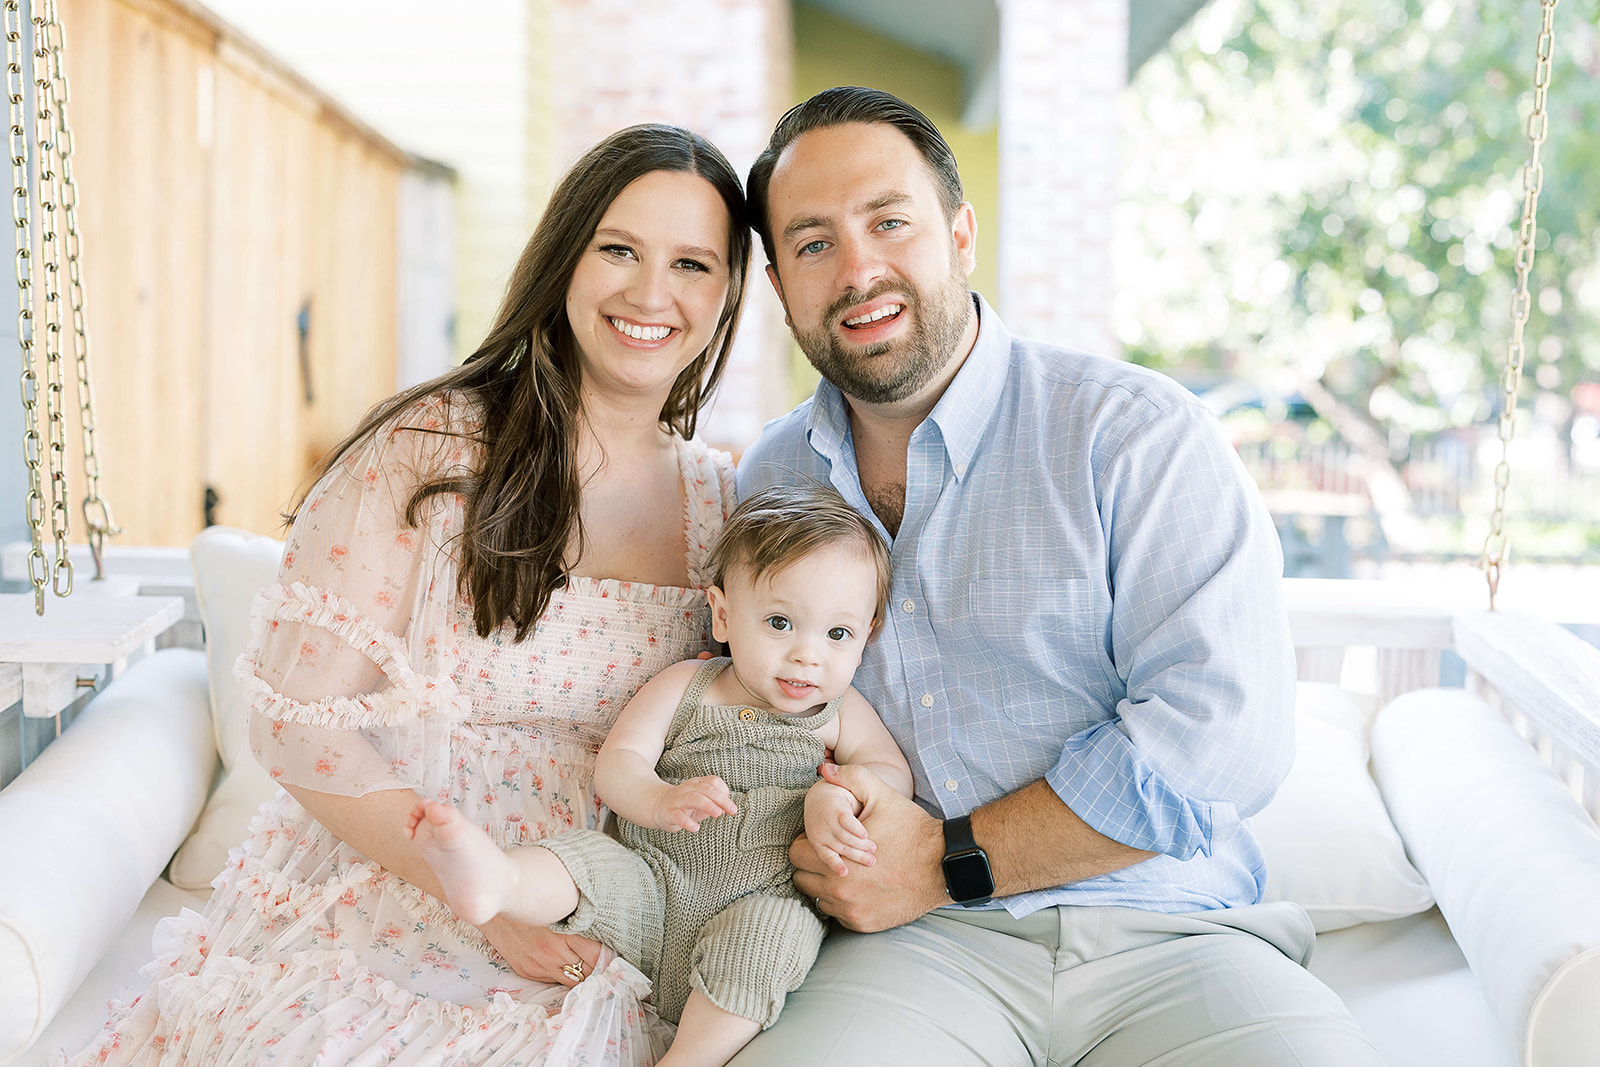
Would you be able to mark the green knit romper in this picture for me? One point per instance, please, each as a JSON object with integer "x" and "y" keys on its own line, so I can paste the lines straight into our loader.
{"x": 713, "y": 909}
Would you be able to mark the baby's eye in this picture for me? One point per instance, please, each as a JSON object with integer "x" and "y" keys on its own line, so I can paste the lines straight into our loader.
{"x": 778, "y": 622}
{"x": 840, "y": 633}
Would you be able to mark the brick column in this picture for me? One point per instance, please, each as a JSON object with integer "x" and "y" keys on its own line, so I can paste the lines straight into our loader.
{"x": 719, "y": 67}
{"x": 1063, "y": 64}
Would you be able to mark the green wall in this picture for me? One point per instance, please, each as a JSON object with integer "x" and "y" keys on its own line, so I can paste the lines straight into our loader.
{"x": 831, "y": 51}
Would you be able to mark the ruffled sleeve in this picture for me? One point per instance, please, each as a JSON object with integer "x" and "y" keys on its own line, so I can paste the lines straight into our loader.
{"x": 709, "y": 487}
{"x": 349, "y": 669}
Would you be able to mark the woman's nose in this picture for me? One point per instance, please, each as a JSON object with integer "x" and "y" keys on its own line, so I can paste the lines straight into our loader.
{"x": 649, "y": 290}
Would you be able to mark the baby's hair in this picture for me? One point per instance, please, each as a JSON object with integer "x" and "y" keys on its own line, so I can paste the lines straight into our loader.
{"x": 777, "y": 527}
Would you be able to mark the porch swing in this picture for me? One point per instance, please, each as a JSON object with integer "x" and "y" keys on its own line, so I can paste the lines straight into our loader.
{"x": 1510, "y": 850}
{"x": 48, "y": 663}
{"x": 1494, "y": 788}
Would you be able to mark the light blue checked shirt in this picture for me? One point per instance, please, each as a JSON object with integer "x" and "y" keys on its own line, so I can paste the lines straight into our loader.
{"x": 1086, "y": 590}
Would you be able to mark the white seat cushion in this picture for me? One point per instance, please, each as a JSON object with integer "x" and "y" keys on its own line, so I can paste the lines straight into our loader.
{"x": 1409, "y": 987}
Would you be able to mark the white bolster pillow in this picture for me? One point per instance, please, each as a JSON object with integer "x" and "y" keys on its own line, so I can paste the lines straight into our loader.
{"x": 88, "y": 827}
{"x": 1513, "y": 860}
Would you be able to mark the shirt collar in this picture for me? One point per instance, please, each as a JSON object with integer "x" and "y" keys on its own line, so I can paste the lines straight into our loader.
{"x": 969, "y": 402}
{"x": 961, "y": 413}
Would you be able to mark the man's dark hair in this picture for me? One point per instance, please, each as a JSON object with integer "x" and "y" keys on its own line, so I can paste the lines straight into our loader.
{"x": 838, "y": 107}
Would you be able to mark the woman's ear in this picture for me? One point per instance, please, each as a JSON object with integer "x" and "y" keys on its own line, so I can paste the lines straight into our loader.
{"x": 719, "y": 612}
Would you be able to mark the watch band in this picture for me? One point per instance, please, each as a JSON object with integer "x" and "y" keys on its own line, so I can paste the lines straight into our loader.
{"x": 958, "y": 835}
{"x": 967, "y": 877}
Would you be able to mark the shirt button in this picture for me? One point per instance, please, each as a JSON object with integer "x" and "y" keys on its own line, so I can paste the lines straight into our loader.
{"x": 952, "y": 785}
{"x": 909, "y": 606}
{"x": 927, "y": 700}
{"x": 961, "y": 470}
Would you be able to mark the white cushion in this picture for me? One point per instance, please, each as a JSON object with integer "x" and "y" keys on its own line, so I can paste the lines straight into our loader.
{"x": 1328, "y": 841}
{"x": 230, "y": 567}
{"x": 1513, "y": 859}
{"x": 89, "y": 825}
{"x": 1412, "y": 993}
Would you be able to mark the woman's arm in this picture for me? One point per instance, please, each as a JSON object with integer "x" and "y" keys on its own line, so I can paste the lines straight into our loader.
{"x": 374, "y": 825}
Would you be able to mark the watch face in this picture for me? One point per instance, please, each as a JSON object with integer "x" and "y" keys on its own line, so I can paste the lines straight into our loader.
{"x": 966, "y": 875}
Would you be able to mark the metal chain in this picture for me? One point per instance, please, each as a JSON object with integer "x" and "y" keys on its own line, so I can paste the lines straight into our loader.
{"x": 16, "y": 59}
{"x": 50, "y": 261}
{"x": 1496, "y": 546}
{"x": 96, "y": 511}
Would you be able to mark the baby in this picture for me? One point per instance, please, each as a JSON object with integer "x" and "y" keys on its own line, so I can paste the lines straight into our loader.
{"x": 712, "y": 771}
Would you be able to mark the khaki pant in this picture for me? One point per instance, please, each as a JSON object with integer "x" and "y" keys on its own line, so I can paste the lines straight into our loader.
{"x": 1096, "y": 987}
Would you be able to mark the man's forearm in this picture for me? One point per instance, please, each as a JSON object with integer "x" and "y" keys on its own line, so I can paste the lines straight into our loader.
{"x": 1034, "y": 841}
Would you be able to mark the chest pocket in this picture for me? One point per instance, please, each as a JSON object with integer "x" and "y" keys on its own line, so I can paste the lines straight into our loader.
{"x": 771, "y": 817}
{"x": 1044, "y": 634}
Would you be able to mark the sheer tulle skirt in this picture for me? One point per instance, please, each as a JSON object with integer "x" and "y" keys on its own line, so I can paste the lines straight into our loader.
{"x": 307, "y": 952}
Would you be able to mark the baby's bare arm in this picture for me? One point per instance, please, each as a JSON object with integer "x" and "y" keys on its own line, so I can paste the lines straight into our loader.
{"x": 625, "y": 770}
{"x": 864, "y": 741}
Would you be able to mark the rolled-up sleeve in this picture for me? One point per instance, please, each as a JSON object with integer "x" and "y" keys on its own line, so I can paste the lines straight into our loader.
{"x": 1199, "y": 639}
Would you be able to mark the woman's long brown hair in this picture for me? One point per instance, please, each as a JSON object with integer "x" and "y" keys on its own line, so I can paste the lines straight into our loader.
{"x": 522, "y": 502}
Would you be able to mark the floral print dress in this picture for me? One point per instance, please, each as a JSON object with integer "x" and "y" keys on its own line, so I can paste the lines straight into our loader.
{"x": 366, "y": 673}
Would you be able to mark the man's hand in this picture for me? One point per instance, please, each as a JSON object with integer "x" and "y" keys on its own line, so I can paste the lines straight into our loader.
{"x": 906, "y": 882}
{"x": 834, "y": 831}
{"x": 685, "y": 805}
{"x": 538, "y": 953}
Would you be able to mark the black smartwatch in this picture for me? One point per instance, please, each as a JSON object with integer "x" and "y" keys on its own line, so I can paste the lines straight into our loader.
{"x": 967, "y": 877}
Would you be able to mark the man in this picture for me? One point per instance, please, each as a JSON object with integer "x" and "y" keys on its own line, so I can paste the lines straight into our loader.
{"x": 1086, "y": 662}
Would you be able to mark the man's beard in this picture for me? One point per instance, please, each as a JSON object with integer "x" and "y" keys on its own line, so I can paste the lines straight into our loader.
{"x": 892, "y": 371}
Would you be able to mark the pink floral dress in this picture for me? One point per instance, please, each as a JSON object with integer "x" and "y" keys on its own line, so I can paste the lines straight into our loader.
{"x": 366, "y": 674}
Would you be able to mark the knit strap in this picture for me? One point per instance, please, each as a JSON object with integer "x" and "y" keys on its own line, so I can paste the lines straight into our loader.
{"x": 693, "y": 696}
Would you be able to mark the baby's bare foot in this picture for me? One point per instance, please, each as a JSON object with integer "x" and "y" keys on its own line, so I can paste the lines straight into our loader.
{"x": 473, "y": 872}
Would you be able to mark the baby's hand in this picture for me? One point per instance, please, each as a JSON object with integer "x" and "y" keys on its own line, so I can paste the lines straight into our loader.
{"x": 833, "y": 829}
{"x": 686, "y": 804}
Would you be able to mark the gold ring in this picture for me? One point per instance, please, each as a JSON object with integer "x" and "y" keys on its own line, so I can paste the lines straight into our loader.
{"x": 574, "y": 971}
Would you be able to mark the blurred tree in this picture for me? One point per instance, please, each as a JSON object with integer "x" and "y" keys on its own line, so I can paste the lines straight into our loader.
{"x": 1325, "y": 197}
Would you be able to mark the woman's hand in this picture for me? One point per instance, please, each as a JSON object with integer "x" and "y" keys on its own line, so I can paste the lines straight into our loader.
{"x": 539, "y": 953}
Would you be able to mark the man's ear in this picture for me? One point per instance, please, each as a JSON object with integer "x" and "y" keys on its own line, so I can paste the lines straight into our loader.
{"x": 964, "y": 233}
{"x": 777, "y": 287}
{"x": 719, "y": 609}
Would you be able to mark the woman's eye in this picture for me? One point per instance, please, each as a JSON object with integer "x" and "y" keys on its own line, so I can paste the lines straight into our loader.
{"x": 840, "y": 633}
{"x": 692, "y": 265}
{"x": 777, "y": 622}
{"x": 622, "y": 251}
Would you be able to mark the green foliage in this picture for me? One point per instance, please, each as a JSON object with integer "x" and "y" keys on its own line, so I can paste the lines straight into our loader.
{"x": 1333, "y": 190}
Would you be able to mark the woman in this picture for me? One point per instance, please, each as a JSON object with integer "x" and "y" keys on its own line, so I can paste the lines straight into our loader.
{"x": 484, "y": 573}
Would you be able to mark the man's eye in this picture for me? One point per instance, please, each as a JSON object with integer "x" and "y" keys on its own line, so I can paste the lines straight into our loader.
{"x": 777, "y": 622}
{"x": 891, "y": 224}
{"x": 840, "y": 633}
{"x": 811, "y": 248}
